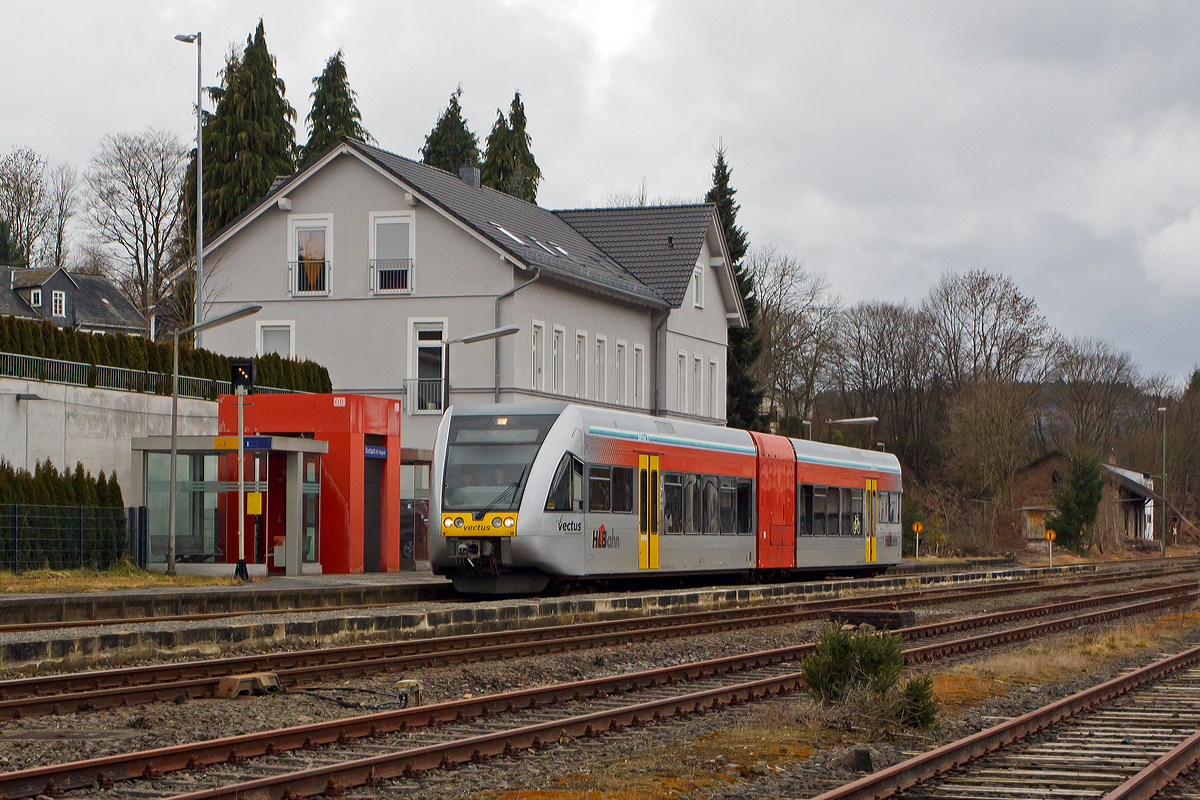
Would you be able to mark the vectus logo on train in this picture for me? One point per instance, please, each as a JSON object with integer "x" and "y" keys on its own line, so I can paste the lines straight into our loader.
{"x": 570, "y": 526}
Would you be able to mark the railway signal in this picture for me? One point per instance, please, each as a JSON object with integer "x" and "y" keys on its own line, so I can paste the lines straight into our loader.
{"x": 1050, "y": 538}
{"x": 917, "y": 527}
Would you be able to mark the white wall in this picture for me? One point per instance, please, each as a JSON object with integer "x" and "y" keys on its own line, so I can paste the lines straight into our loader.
{"x": 73, "y": 424}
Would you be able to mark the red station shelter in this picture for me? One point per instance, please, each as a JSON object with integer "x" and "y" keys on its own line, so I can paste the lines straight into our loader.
{"x": 353, "y": 525}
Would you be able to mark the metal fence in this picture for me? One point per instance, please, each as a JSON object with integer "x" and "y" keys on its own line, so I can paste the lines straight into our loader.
{"x": 73, "y": 373}
{"x": 61, "y": 537}
{"x": 424, "y": 395}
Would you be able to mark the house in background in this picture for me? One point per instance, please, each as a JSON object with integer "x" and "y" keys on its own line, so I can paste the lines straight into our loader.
{"x": 1126, "y": 505}
{"x": 374, "y": 264}
{"x": 87, "y": 303}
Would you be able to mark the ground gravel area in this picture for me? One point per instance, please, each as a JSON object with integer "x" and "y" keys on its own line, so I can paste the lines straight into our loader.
{"x": 42, "y": 740}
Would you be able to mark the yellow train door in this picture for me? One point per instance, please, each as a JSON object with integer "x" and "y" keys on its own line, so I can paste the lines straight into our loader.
{"x": 648, "y": 512}
{"x": 870, "y": 511}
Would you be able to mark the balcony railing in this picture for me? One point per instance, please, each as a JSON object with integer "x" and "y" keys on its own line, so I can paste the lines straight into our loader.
{"x": 310, "y": 278}
{"x": 119, "y": 379}
{"x": 391, "y": 275}
{"x": 424, "y": 395}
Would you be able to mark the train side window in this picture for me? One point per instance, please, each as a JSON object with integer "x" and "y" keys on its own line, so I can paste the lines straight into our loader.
{"x": 894, "y": 516}
{"x": 856, "y": 512}
{"x": 728, "y": 505}
{"x": 833, "y": 512}
{"x": 819, "y": 511}
{"x": 599, "y": 489}
{"x": 672, "y": 502}
{"x": 712, "y": 504}
{"x": 844, "y": 507}
{"x": 566, "y": 490}
{"x": 692, "y": 512}
{"x": 745, "y": 506}
{"x": 881, "y": 515}
{"x": 804, "y": 510}
{"x": 622, "y": 490}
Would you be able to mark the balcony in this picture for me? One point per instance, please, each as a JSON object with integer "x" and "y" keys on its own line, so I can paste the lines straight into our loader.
{"x": 310, "y": 278}
{"x": 391, "y": 275}
{"x": 424, "y": 396}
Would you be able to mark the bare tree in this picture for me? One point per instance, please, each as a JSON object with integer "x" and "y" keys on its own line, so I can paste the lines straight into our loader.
{"x": 24, "y": 200}
{"x": 983, "y": 329}
{"x": 1095, "y": 386}
{"x": 62, "y": 190}
{"x": 133, "y": 186}
{"x": 797, "y": 321}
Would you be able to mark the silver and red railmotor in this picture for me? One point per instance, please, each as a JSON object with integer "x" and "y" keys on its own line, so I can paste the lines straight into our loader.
{"x": 524, "y": 494}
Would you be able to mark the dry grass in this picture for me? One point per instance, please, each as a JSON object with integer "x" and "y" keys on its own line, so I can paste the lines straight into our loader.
{"x": 969, "y": 684}
{"x": 75, "y": 581}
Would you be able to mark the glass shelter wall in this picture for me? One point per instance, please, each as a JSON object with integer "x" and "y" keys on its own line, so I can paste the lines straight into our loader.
{"x": 196, "y": 500}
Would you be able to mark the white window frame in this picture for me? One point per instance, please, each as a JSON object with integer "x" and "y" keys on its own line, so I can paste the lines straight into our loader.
{"x": 58, "y": 303}
{"x": 290, "y": 324}
{"x": 600, "y": 350}
{"x": 697, "y": 385}
{"x": 35, "y": 298}
{"x": 581, "y": 359}
{"x": 537, "y": 352}
{"x": 304, "y": 221}
{"x": 373, "y": 217}
{"x": 639, "y": 380}
{"x": 698, "y": 287}
{"x": 681, "y": 381}
{"x": 416, "y": 324}
{"x": 713, "y": 405}
{"x": 559, "y": 344}
{"x": 621, "y": 362}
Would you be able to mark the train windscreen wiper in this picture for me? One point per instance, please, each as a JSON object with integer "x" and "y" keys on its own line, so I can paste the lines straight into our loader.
{"x": 512, "y": 487}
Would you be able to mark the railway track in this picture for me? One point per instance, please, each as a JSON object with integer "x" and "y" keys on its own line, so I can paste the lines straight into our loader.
{"x": 97, "y": 689}
{"x": 1127, "y": 569}
{"x": 1125, "y": 739}
{"x": 447, "y": 734}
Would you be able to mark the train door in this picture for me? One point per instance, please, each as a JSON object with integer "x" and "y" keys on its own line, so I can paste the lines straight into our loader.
{"x": 648, "y": 512}
{"x": 776, "y": 488}
{"x": 871, "y": 510}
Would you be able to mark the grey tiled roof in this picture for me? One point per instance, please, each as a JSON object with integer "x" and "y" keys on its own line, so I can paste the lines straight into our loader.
{"x": 657, "y": 244}
{"x": 24, "y": 278}
{"x": 484, "y": 209}
{"x": 11, "y": 304}
{"x": 99, "y": 304}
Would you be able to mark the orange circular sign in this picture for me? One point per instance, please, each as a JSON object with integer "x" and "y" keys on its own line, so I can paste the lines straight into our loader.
{"x": 917, "y": 527}
{"x": 1050, "y": 536}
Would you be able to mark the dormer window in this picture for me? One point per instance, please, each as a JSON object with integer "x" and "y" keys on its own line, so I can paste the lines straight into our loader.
{"x": 35, "y": 298}
{"x": 58, "y": 302}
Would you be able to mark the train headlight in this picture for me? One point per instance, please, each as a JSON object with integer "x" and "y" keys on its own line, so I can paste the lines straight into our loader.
{"x": 509, "y": 522}
{"x": 449, "y": 523}
{"x": 458, "y": 522}
{"x": 496, "y": 523}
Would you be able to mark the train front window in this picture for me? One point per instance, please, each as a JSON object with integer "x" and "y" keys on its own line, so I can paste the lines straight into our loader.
{"x": 488, "y": 460}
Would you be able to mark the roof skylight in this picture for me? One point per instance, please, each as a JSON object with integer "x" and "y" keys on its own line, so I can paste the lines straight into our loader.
{"x": 506, "y": 233}
{"x": 539, "y": 244}
{"x": 559, "y": 249}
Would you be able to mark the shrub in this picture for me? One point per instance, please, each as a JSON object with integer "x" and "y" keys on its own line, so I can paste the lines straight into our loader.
{"x": 918, "y": 708}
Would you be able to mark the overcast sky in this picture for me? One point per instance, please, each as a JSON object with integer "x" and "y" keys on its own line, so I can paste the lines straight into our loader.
{"x": 881, "y": 143}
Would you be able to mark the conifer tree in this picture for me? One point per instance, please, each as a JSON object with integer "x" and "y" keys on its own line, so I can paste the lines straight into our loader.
{"x": 8, "y": 250}
{"x": 743, "y": 396}
{"x": 248, "y": 140}
{"x": 451, "y": 144}
{"x": 334, "y": 111}
{"x": 508, "y": 163}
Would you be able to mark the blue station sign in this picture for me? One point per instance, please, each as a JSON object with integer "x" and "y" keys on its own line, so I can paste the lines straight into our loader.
{"x": 375, "y": 450}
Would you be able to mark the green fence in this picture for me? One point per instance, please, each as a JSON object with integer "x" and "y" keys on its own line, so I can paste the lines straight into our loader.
{"x": 60, "y": 537}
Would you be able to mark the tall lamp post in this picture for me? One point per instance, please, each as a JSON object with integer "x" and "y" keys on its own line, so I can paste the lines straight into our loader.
{"x": 854, "y": 421}
{"x": 199, "y": 287}
{"x": 494, "y": 333}
{"x": 245, "y": 311}
{"x": 1163, "y": 527}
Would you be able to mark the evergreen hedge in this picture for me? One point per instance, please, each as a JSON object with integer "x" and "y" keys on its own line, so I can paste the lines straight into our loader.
{"x": 46, "y": 340}
{"x": 59, "y": 520}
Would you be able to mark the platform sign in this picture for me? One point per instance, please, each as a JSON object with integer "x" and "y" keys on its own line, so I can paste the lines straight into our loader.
{"x": 1050, "y": 539}
{"x": 254, "y": 503}
{"x": 917, "y": 527}
{"x": 375, "y": 450}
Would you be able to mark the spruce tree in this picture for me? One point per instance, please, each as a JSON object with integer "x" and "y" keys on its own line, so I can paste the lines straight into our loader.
{"x": 508, "y": 163}
{"x": 451, "y": 144}
{"x": 1077, "y": 498}
{"x": 248, "y": 140}
{"x": 334, "y": 111}
{"x": 8, "y": 250}
{"x": 743, "y": 396}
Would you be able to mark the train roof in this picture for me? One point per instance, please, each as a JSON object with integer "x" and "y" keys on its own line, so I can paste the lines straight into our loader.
{"x": 838, "y": 455}
{"x": 598, "y": 420}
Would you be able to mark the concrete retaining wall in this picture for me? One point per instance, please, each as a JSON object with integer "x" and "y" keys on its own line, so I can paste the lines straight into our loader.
{"x": 74, "y": 424}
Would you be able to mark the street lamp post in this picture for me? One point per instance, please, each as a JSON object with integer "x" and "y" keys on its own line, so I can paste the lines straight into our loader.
{"x": 245, "y": 311}
{"x": 1163, "y": 526}
{"x": 199, "y": 287}
{"x": 494, "y": 333}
